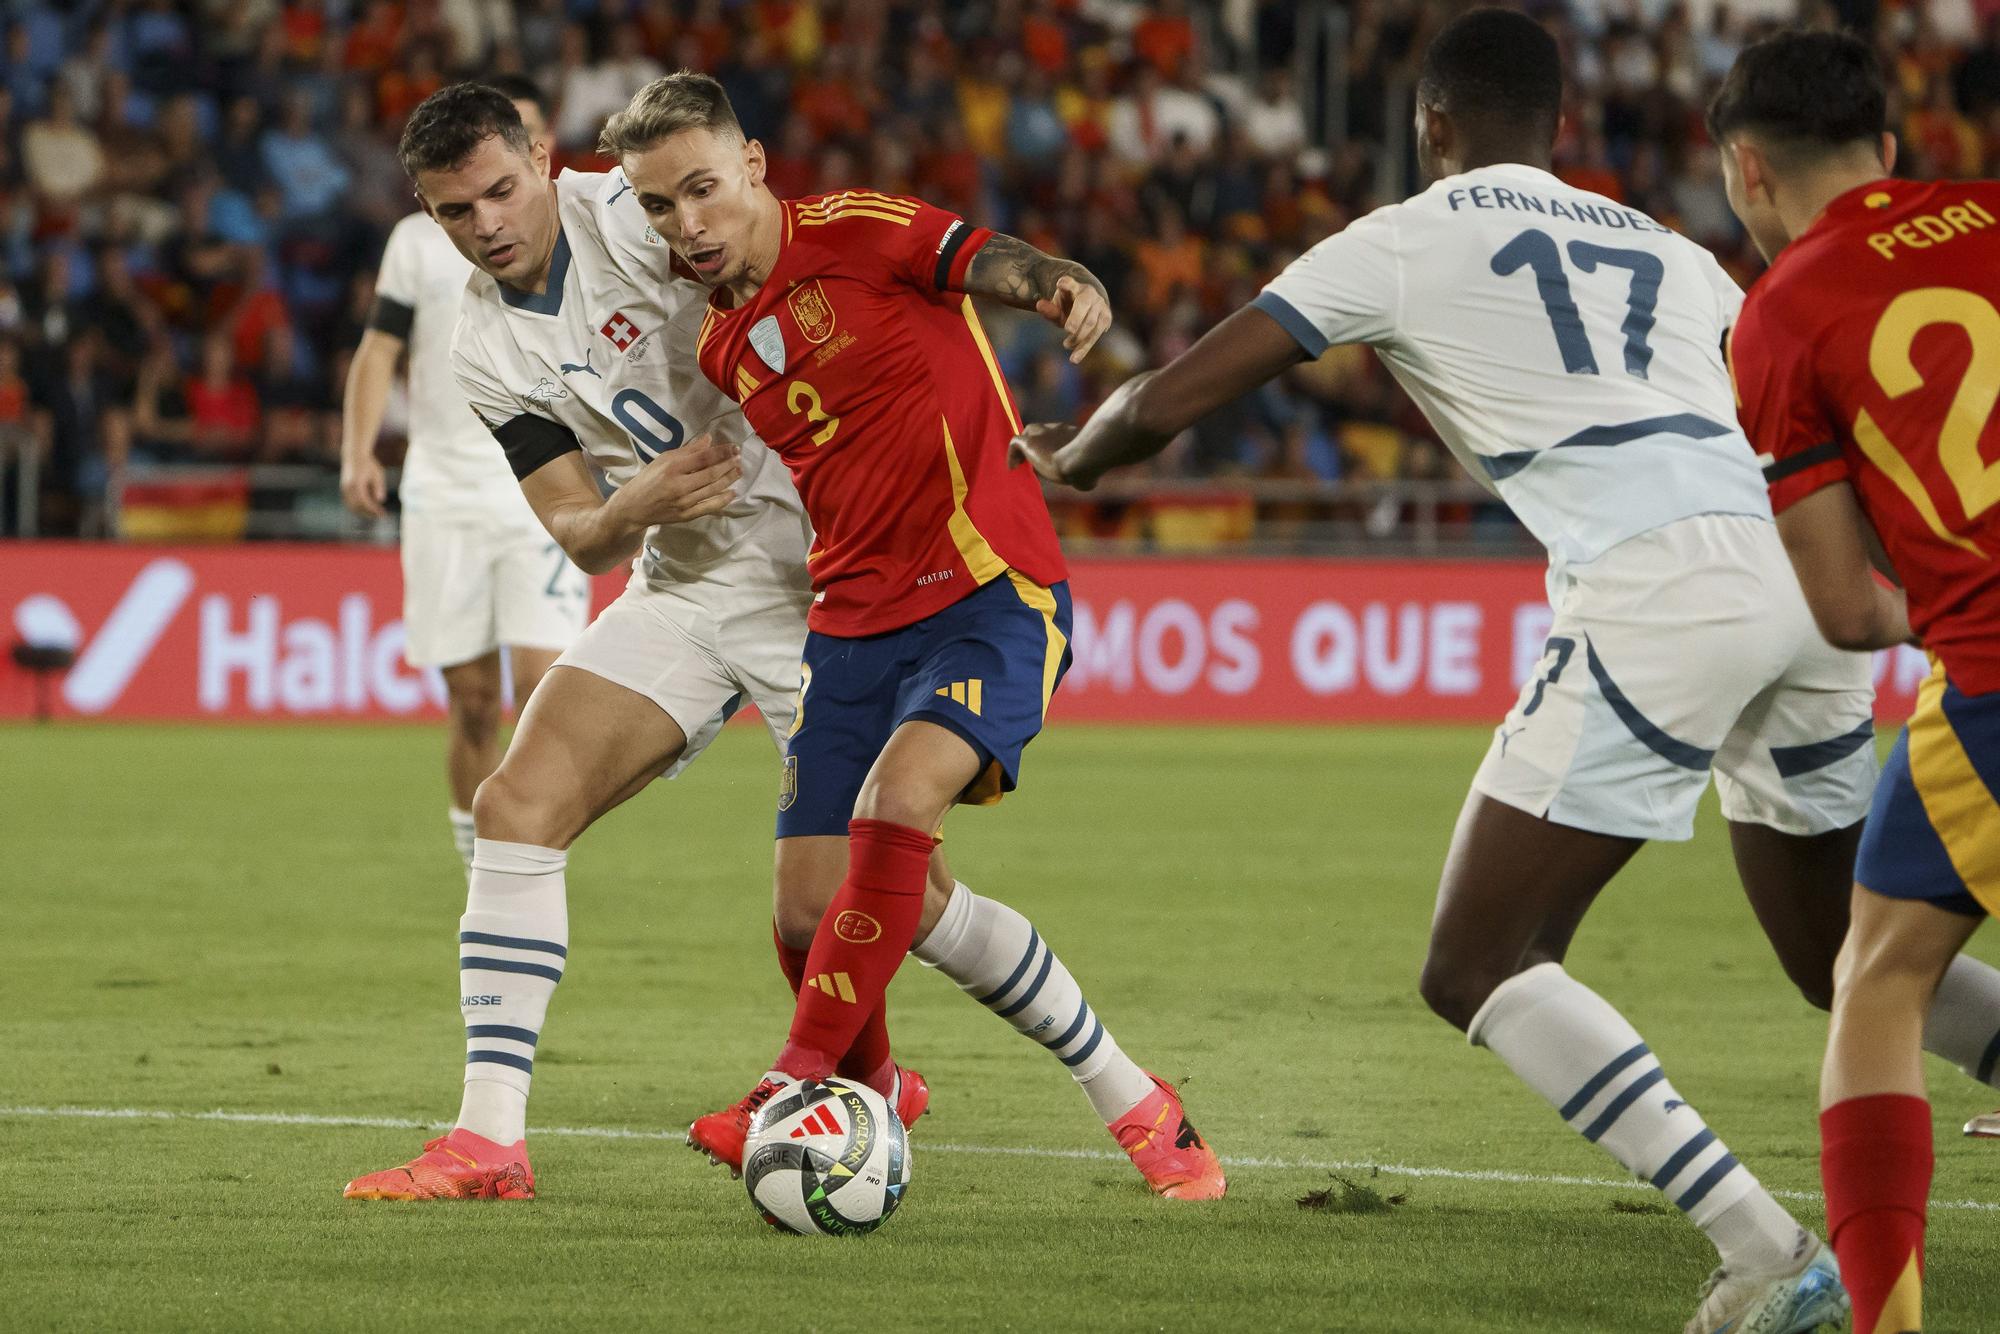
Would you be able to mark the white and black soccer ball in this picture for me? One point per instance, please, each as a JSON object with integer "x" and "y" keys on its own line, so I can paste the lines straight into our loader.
{"x": 826, "y": 1157}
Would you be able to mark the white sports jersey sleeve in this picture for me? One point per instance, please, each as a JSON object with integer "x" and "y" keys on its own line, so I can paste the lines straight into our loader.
{"x": 1352, "y": 294}
{"x": 453, "y": 469}
{"x": 603, "y": 361}
{"x": 396, "y": 278}
{"x": 1566, "y": 348}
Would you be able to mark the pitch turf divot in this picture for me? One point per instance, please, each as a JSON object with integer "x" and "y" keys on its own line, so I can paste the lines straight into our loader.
{"x": 1494, "y": 1175}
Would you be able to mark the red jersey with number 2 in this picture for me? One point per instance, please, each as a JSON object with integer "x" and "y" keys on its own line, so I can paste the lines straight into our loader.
{"x": 862, "y": 363}
{"x": 1870, "y": 354}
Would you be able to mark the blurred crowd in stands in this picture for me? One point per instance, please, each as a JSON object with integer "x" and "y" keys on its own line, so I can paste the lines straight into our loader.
{"x": 194, "y": 193}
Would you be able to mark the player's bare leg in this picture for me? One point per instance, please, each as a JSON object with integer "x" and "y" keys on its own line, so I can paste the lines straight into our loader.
{"x": 472, "y": 738}
{"x": 472, "y": 726}
{"x": 584, "y": 745}
{"x": 529, "y": 666}
{"x": 1515, "y": 886}
{"x": 996, "y": 956}
{"x": 1875, "y": 1122}
{"x": 1799, "y": 887}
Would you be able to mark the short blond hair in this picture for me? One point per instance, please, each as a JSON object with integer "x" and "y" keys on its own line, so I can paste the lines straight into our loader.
{"x": 683, "y": 100}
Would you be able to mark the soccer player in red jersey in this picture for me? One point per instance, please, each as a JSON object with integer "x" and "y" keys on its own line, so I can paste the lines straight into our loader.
{"x": 1867, "y": 366}
{"x": 844, "y": 326}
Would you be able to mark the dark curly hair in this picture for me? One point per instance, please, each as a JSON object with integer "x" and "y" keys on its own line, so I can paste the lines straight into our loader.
{"x": 449, "y": 126}
{"x": 1803, "y": 93}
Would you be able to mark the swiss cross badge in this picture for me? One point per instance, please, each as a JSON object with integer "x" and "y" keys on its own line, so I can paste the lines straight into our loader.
{"x": 620, "y": 330}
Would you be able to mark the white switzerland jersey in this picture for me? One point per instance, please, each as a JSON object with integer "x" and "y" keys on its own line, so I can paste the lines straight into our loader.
{"x": 454, "y": 467}
{"x": 1568, "y": 349}
{"x": 605, "y": 359}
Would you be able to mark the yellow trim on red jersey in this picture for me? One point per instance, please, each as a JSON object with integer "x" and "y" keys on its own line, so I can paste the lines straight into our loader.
{"x": 854, "y": 211}
{"x": 708, "y": 320}
{"x": 1961, "y": 809}
{"x": 1043, "y": 601}
{"x": 746, "y": 384}
{"x": 1897, "y": 469}
{"x": 992, "y": 365}
{"x": 980, "y": 558}
{"x": 869, "y": 198}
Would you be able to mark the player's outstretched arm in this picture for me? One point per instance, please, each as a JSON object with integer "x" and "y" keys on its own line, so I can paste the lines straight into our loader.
{"x": 1149, "y": 410}
{"x": 1061, "y": 291}
{"x": 1829, "y": 541}
{"x": 692, "y": 482}
{"x": 363, "y": 486}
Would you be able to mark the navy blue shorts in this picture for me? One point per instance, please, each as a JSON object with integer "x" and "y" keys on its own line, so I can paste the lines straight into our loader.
{"x": 984, "y": 667}
{"x": 1934, "y": 829}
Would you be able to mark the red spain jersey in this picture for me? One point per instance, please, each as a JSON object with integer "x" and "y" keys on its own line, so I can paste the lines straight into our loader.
{"x": 862, "y": 363}
{"x": 1870, "y": 354}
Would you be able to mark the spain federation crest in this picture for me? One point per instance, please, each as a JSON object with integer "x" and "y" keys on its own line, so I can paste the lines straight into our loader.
{"x": 768, "y": 341}
{"x": 788, "y": 786}
{"x": 812, "y": 310}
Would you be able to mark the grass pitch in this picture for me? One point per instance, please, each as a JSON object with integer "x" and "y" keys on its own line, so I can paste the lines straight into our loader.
{"x": 261, "y": 921}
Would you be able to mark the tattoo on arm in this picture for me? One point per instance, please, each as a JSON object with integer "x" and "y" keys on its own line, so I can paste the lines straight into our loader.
{"x": 1010, "y": 270}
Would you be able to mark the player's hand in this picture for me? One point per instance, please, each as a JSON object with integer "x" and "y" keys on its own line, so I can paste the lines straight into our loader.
{"x": 1081, "y": 311}
{"x": 364, "y": 488}
{"x": 1040, "y": 445}
{"x": 692, "y": 482}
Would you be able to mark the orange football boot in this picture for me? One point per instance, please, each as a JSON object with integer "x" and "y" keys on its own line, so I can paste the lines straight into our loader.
{"x": 458, "y": 1166}
{"x": 1166, "y": 1148}
{"x": 721, "y": 1135}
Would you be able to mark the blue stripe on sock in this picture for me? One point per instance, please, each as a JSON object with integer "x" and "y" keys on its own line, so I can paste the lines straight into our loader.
{"x": 1020, "y": 970}
{"x": 1700, "y": 1189}
{"x": 1082, "y": 1054}
{"x": 511, "y": 966}
{"x": 512, "y": 943}
{"x": 1684, "y": 1155}
{"x": 1609, "y": 1116}
{"x": 1989, "y": 1060}
{"x": 501, "y": 1058}
{"x": 527, "y": 1035}
{"x": 1599, "y": 1080}
{"x": 1075, "y": 1027}
{"x": 1034, "y": 990}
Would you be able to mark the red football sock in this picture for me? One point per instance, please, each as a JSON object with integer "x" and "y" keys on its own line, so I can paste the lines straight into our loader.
{"x": 860, "y": 944}
{"x": 868, "y": 1059}
{"x": 1875, "y": 1159}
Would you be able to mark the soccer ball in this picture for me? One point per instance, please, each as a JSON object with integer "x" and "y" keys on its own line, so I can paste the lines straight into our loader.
{"x": 826, "y": 1157}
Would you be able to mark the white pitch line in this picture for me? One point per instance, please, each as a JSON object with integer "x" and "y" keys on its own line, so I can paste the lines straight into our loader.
{"x": 1494, "y": 1175}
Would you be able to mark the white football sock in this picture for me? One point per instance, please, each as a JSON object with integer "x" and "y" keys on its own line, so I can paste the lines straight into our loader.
{"x": 462, "y": 835}
{"x": 1566, "y": 1043}
{"x": 513, "y": 943}
{"x": 1964, "y": 1023}
{"x": 998, "y": 958}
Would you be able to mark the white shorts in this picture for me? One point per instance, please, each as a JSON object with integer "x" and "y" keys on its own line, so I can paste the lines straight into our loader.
{"x": 470, "y": 586}
{"x": 699, "y": 666}
{"x": 1684, "y": 650}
